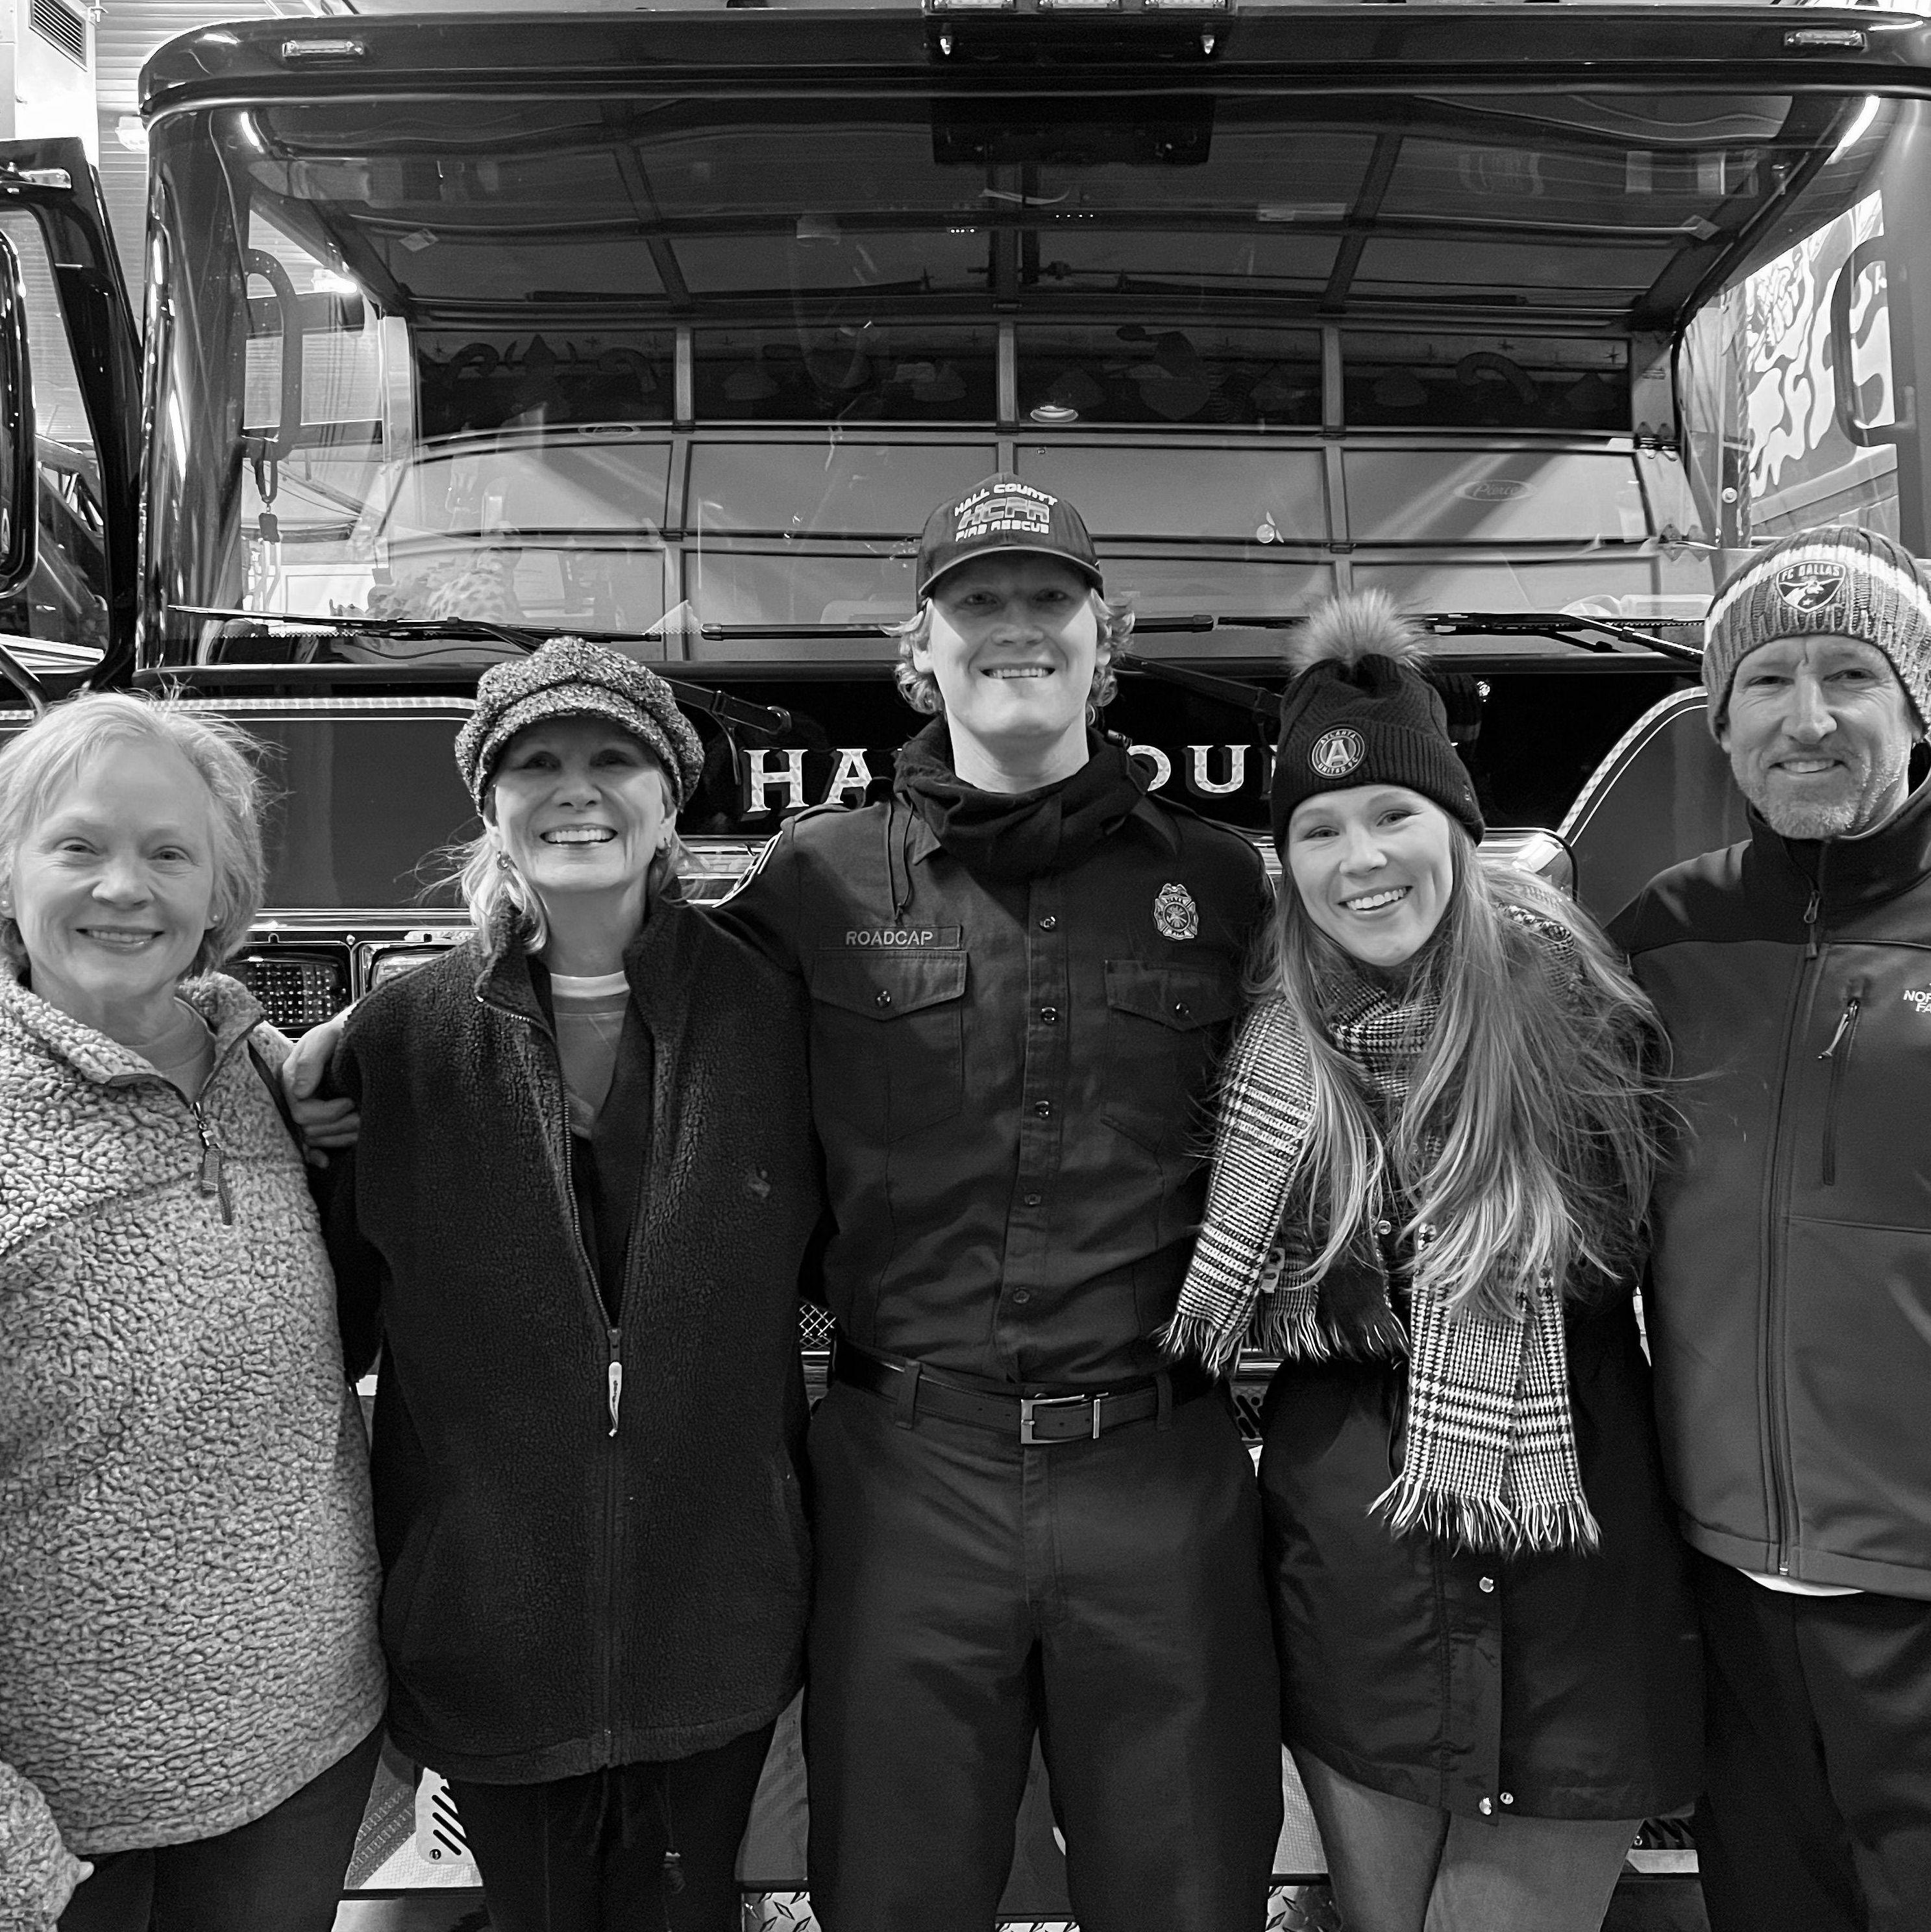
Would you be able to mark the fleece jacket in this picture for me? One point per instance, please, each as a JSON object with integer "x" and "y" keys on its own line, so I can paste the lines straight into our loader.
{"x": 593, "y": 1531}
{"x": 187, "y": 1565}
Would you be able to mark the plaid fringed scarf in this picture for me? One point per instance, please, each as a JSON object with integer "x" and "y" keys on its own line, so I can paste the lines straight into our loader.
{"x": 1491, "y": 1454}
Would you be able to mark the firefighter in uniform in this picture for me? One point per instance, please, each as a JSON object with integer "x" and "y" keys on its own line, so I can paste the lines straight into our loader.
{"x": 1021, "y": 969}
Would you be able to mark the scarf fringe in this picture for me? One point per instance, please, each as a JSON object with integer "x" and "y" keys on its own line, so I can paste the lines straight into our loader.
{"x": 1294, "y": 1329}
{"x": 1203, "y": 1338}
{"x": 1482, "y": 1524}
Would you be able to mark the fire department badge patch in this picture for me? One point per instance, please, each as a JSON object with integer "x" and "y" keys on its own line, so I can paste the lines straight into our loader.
{"x": 1336, "y": 753}
{"x": 1175, "y": 914}
{"x": 1810, "y": 586}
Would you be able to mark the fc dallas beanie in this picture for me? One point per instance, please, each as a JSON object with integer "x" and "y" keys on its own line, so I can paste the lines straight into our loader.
{"x": 1841, "y": 582}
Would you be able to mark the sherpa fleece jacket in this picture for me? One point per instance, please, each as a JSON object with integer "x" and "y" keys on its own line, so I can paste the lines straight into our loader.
{"x": 187, "y": 1568}
{"x": 592, "y": 1533}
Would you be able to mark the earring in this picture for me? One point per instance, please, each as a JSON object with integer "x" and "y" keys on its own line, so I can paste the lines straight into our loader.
{"x": 505, "y": 862}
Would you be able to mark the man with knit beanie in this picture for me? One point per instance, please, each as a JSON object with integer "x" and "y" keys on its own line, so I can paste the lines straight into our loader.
{"x": 1789, "y": 1295}
{"x": 1022, "y": 969}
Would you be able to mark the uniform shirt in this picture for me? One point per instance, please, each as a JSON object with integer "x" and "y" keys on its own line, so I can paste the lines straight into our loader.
{"x": 1010, "y": 1079}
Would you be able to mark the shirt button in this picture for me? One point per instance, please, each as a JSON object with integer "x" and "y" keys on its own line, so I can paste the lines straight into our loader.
{"x": 1508, "y": 1797}
{"x": 1049, "y": 1015}
{"x": 1032, "y": 1200}
{"x": 1047, "y": 924}
{"x": 1044, "y": 1109}
{"x": 1022, "y": 1295}
{"x": 1384, "y": 1227}
{"x": 1179, "y": 1009}
{"x": 884, "y": 999}
{"x": 1487, "y": 1585}
{"x": 1485, "y": 1807}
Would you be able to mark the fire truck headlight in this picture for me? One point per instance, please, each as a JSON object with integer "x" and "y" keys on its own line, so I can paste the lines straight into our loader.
{"x": 298, "y": 988}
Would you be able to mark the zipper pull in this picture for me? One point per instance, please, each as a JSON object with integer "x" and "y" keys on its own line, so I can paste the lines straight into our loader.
{"x": 1810, "y": 922}
{"x": 1847, "y": 1019}
{"x": 617, "y": 1386}
{"x": 213, "y": 1174}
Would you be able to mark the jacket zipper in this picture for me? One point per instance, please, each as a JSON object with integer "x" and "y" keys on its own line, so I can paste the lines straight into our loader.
{"x": 611, "y": 1404}
{"x": 213, "y": 1172}
{"x": 1776, "y": 1396}
{"x": 1838, "y": 1053}
{"x": 213, "y": 1179}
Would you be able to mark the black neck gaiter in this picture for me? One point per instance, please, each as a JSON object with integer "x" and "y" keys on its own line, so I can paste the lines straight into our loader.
{"x": 1017, "y": 834}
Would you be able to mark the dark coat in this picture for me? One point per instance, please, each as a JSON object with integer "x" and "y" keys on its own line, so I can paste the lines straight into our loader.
{"x": 572, "y": 1580}
{"x": 1789, "y": 1296}
{"x": 1549, "y": 1686}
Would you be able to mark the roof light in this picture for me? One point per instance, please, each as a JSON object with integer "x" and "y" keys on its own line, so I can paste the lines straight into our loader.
{"x": 322, "y": 50}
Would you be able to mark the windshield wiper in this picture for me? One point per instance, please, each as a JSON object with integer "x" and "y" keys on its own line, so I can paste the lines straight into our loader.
{"x": 1566, "y": 627}
{"x": 771, "y": 718}
{"x": 1560, "y": 625}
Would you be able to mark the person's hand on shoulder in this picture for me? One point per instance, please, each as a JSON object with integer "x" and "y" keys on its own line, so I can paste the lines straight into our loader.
{"x": 327, "y": 1123}
{"x": 37, "y": 1872}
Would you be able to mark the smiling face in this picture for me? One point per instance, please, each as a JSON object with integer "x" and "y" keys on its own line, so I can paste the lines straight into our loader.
{"x": 1374, "y": 867}
{"x": 1819, "y": 733}
{"x": 113, "y": 888}
{"x": 1013, "y": 643}
{"x": 582, "y": 809}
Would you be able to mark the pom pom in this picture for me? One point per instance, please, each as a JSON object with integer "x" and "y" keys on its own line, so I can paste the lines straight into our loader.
{"x": 1344, "y": 630}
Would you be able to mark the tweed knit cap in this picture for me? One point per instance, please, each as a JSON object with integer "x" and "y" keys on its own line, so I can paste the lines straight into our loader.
{"x": 1839, "y": 582}
{"x": 570, "y": 678}
{"x": 1360, "y": 713}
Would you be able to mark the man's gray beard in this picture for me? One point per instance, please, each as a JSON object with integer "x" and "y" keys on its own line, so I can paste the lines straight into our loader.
{"x": 1811, "y": 821}
{"x": 1837, "y": 818}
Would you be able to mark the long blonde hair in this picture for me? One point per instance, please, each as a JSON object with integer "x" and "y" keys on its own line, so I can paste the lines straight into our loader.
{"x": 1534, "y": 1125}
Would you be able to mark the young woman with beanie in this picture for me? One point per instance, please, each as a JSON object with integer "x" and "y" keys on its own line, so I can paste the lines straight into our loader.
{"x": 1438, "y": 1130}
{"x": 574, "y": 1222}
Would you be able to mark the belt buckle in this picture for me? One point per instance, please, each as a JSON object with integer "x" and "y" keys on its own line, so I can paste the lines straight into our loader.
{"x": 1030, "y": 1405}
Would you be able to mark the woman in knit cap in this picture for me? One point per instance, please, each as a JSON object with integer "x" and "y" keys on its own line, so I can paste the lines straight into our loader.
{"x": 1437, "y": 1131}
{"x": 574, "y": 1223}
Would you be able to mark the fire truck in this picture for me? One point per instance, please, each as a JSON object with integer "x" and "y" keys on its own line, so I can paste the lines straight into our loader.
{"x": 666, "y": 327}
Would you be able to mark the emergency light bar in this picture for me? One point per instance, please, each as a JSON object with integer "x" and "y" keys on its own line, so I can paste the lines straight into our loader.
{"x": 1020, "y": 6}
{"x": 1089, "y": 29}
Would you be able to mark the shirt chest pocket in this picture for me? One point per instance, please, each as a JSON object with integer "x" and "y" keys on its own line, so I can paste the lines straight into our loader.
{"x": 888, "y": 1038}
{"x": 1164, "y": 1024}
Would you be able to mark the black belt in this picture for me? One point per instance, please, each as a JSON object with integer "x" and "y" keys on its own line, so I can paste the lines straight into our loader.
{"x": 1034, "y": 1420}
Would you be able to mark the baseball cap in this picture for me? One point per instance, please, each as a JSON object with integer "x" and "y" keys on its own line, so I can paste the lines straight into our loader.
{"x": 1003, "y": 513}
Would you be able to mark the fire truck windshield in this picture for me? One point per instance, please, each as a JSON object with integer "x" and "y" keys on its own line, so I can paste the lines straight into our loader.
{"x": 606, "y": 365}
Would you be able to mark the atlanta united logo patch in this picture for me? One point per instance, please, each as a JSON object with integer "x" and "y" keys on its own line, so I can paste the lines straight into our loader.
{"x": 1336, "y": 753}
{"x": 1175, "y": 914}
{"x": 1805, "y": 587}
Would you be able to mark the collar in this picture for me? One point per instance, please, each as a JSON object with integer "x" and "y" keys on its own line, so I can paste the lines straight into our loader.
{"x": 654, "y": 963}
{"x": 231, "y": 1011}
{"x": 922, "y": 843}
{"x": 1863, "y": 870}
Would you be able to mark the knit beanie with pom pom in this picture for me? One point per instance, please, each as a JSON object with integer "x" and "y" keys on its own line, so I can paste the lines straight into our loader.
{"x": 1359, "y": 712}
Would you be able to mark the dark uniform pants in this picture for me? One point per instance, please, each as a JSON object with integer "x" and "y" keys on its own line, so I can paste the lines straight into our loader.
{"x": 648, "y": 1847}
{"x": 1106, "y": 1593}
{"x": 281, "y": 1872}
{"x": 1817, "y": 1812}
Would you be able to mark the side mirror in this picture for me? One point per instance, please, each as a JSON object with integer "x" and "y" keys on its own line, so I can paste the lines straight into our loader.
{"x": 19, "y": 476}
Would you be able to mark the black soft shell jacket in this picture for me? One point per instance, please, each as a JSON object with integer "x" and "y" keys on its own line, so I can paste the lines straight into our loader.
{"x": 593, "y": 1543}
{"x": 1789, "y": 1296}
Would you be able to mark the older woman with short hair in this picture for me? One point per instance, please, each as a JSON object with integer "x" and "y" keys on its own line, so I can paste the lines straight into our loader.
{"x": 189, "y": 1682}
